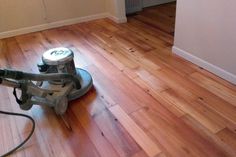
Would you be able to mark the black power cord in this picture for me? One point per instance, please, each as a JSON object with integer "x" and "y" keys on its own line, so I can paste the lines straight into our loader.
{"x": 28, "y": 137}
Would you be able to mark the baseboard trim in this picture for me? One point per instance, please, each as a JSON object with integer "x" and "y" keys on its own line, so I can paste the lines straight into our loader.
{"x": 206, "y": 65}
{"x": 117, "y": 20}
{"x": 59, "y": 24}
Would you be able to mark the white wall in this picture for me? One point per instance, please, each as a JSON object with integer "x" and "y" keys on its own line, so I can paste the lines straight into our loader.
{"x": 24, "y": 16}
{"x": 20, "y": 13}
{"x": 26, "y": 13}
{"x": 111, "y": 7}
{"x": 206, "y": 35}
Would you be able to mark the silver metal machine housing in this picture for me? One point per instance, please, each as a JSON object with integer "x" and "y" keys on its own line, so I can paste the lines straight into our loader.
{"x": 59, "y": 81}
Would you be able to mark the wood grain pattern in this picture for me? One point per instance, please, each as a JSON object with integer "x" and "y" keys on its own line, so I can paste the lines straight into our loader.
{"x": 216, "y": 88}
{"x": 135, "y": 131}
{"x": 145, "y": 101}
{"x": 192, "y": 110}
{"x": 228, "y": 137}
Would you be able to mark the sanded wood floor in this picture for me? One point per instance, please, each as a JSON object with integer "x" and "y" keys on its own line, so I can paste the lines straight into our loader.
{"x": 146, "y": 102}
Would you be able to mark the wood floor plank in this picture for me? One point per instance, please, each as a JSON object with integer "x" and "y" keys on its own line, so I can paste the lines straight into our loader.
{"x": 170, "y": 135}
{"x": 15, "y": 58}
{"x": 3, "y": 58}
{"x": 178, "y": 84}
{"x": 152, "y": 31}
{"x": 118, "y": 95}
{"x": 225, "y": 110}
{"x": 140, "y": 154}
{"x": 214, "y": 87}
{"x": 228, "y": 137}
{"x": 211, "y": 114}
{"x": 156, "y": 95}
{"x": 191, "y": 91}
{"x": 182, "y": 67}
{"x": 111, "y": 129}
{"x": 152, "y": 81}
{"x": 100, "y": 142}
{"x": 155, "y": 24}
{"x": 145, "y": 101}
{"x": 189, "y": 108}
{"x": 78, "y": 140}
{"x": 212, "y": 138}
{"x": 135, "y": 131}
{"x": 217, "y": 78}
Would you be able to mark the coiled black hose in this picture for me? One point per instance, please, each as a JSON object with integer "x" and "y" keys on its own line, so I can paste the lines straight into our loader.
{"x": 28, "y": 137}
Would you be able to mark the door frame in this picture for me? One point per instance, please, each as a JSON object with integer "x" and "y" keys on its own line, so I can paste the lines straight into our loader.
{"x": 120, "y": 11}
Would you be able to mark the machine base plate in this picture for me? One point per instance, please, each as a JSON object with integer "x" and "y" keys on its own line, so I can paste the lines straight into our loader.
{"x": 86, "y": 84}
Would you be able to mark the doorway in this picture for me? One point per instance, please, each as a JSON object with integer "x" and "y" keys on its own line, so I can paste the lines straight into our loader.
{"x": 155, "y": 13}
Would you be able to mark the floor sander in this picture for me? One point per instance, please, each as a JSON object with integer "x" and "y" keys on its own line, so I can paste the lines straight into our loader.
{"x": 58, "y": 82}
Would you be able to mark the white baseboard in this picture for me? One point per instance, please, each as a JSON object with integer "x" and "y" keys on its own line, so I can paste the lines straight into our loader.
{"x": 149, "y": 3}
{"x": 117, "y": 20}
{"x": 206, "y": 65}
{"x": 59, "y": 24}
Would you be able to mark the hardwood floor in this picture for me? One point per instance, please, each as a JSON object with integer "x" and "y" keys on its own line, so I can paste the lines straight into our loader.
{"x": 145, "y": 102}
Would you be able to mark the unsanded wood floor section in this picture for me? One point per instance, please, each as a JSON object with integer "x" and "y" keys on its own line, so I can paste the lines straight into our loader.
{"x": 145, "y": 101}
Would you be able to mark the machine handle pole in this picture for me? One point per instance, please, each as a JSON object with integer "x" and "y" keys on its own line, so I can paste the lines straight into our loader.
{"x": 9, "y": 83}
{"x": 18, "y": 75}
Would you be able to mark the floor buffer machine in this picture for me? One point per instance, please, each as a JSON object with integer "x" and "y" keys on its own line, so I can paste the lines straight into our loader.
{"x": 58, "y": 82}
